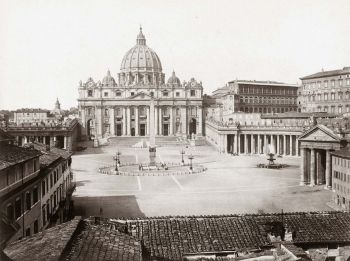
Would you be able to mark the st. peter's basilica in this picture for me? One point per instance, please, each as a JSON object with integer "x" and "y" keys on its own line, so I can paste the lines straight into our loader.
{"x": 121, "y": 108}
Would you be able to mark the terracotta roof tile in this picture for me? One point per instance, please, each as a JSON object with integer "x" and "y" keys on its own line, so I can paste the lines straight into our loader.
{"x": 11, "y": 155}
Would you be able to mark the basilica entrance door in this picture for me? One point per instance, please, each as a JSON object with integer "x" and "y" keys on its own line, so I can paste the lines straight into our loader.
{"x": 193, "y": 126}
{"x": 165, "y": 129}
{"x": 132, "y": 131}
{"x": 142, "y": 129}
{"x": 119, "y": 130}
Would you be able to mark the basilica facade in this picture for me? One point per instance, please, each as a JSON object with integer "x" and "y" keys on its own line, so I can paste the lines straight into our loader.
{"x": 122, "y": 107}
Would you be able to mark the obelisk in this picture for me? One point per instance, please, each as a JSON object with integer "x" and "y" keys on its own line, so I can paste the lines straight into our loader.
{"x": 152, "y": 137}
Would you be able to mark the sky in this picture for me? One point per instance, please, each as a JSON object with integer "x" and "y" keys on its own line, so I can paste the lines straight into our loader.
{"x": 47, "y": 47}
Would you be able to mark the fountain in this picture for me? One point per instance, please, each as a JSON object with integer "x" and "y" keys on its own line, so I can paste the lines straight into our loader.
{"x": 271, "y": 160}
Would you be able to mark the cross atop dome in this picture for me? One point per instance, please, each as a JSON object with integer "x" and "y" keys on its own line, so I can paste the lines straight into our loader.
{"x": 141, "y": 40}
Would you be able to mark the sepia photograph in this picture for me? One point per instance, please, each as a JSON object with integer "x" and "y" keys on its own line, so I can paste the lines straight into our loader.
{"x": 157, "y": 130}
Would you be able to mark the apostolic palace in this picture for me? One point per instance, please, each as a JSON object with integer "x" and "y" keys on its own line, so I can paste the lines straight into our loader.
{"x": 121, "y": 108}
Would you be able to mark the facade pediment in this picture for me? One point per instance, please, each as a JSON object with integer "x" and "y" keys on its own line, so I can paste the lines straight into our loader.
{"x": 320, "y": 133}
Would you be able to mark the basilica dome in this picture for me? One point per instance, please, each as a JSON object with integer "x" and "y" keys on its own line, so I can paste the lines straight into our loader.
{"x": 141, "y": 57}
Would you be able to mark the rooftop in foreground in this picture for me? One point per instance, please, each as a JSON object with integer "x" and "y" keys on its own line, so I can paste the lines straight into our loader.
{"x": 172, "y": 238}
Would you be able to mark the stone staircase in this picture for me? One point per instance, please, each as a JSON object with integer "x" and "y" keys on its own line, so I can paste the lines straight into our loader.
{"x": 160, "y": 141}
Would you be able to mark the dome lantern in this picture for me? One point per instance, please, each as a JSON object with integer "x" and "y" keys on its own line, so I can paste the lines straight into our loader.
{"x": 141, "y": 39}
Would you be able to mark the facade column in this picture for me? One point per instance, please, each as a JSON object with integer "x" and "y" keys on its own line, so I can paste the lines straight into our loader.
{"x": 259, "y": 144}
{"x": 160, "y": 121}
{"x": 312, "y": 168}
{"x": 284, "y": 145}
{"x": 273, "y": 143}
{"x": 124, "y": 122}
{"x": 99, "y": 121}
{"x": 171, "y": 119}
{"x": 128, "y": 121}
{"x": 136, "y": 111}
{"x": 245, "y": 143}
{"x": 184, "y": 121}
{"x": 291, "y": 145}
{"x": 156, "y": 120}
{"x": 265, "y": 144}
{"x": 278, "y": 145}
{"x": 111, "y": 121}
{"x": 302, "y": 166}
{"x": 148, "y": 121}
{"x": 252, "y": 144}
{"x": 328, "y": 170}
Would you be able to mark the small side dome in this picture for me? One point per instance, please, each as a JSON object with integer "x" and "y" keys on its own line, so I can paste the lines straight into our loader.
{"x": 108, "y": 80}
{"x": 174, "y": 80}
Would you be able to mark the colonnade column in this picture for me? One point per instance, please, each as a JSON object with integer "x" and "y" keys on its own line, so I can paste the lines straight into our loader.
{"x": 148, "y": 121}
{"x": 128, "y": 121}
{"x": 278, "y": 145}
{"x": 200, "y": 119}
{"x": 224, "y": 136}
{"x": 136, "y": 111}
{"x": 111, "y": 121}
{"x": 291, "y": 145}
{"x": 328, "y": 169}
{"x": 234, "y": 145}
{"x": 296, "y": 146}
{"x": 302, "y": 166}
{"x": 124, "y": 122}
{"x": 312, "y": 168}
{"x": 259, "y": 144}
{"x": 273, "y": 143}
{"x": 238, "y": 143}
{"x": 265, "y": 144}
{"x": 284, "y": 145}
{"x": 252, "y": 144}
{"x": 160, "y": 121}
{"x": 52, "y": 142}
{"x": 156, "y": 120}
{"x": 245, "y": 143}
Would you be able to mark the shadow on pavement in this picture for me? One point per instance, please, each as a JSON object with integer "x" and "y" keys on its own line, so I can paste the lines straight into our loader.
{"x": 108, "y": 207}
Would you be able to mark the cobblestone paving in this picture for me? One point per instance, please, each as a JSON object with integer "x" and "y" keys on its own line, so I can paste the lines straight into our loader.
{"x": 232, "y": 184}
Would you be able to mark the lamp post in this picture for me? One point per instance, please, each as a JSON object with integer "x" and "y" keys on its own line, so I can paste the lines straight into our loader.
{"x": 191, "y": 158}
{"x": 117, "y": 160}
{"x": 182, "y": 156}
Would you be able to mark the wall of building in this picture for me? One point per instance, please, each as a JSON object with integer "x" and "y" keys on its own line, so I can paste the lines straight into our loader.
{"x": 341, "y": 181}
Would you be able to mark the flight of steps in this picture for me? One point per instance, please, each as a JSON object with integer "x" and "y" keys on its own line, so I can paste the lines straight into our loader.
{"x": 160, "y": 141}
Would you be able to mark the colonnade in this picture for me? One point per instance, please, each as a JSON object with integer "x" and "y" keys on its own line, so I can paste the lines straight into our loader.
{"x": 253, "y": 143}
{"x": 64, "y": 142}
{"x": 315, "y": 167}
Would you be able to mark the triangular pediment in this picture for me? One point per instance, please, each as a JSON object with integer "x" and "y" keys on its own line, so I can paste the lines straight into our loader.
{"x": 141, "y": 96}
{"x": 320, "y": 133}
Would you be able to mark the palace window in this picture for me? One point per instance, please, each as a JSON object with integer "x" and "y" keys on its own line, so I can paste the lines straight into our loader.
{"x": 28, "y": 201}
{"x": 340, "y": 82}
{"x": 151, "y": 94}
{"x": 347, "y": 81}
{"x": 340, "y": 109}
{"x": 36, "y": 226}
{"x": 177, "y": 94}
{"x": 326, "y": 96}
{"x": 165, "y": 94}
{"x": 325, "y": 84}
{"x": 332, "y": 109}
{"x": 193, "y": 93}
{"x": 347, "y": 108}
{"x": 132, "y": 94}
{"x": 105, "y": 94}
{"x": 35, "y": 194}
{"x": 332, "y": 83}
{"x": 18, "y": 209}
{"x": 89, "y": 93}
{"x": 340, "y": 95}
{"x": 332, "y": 96}
{"x": 118, "y": 94}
